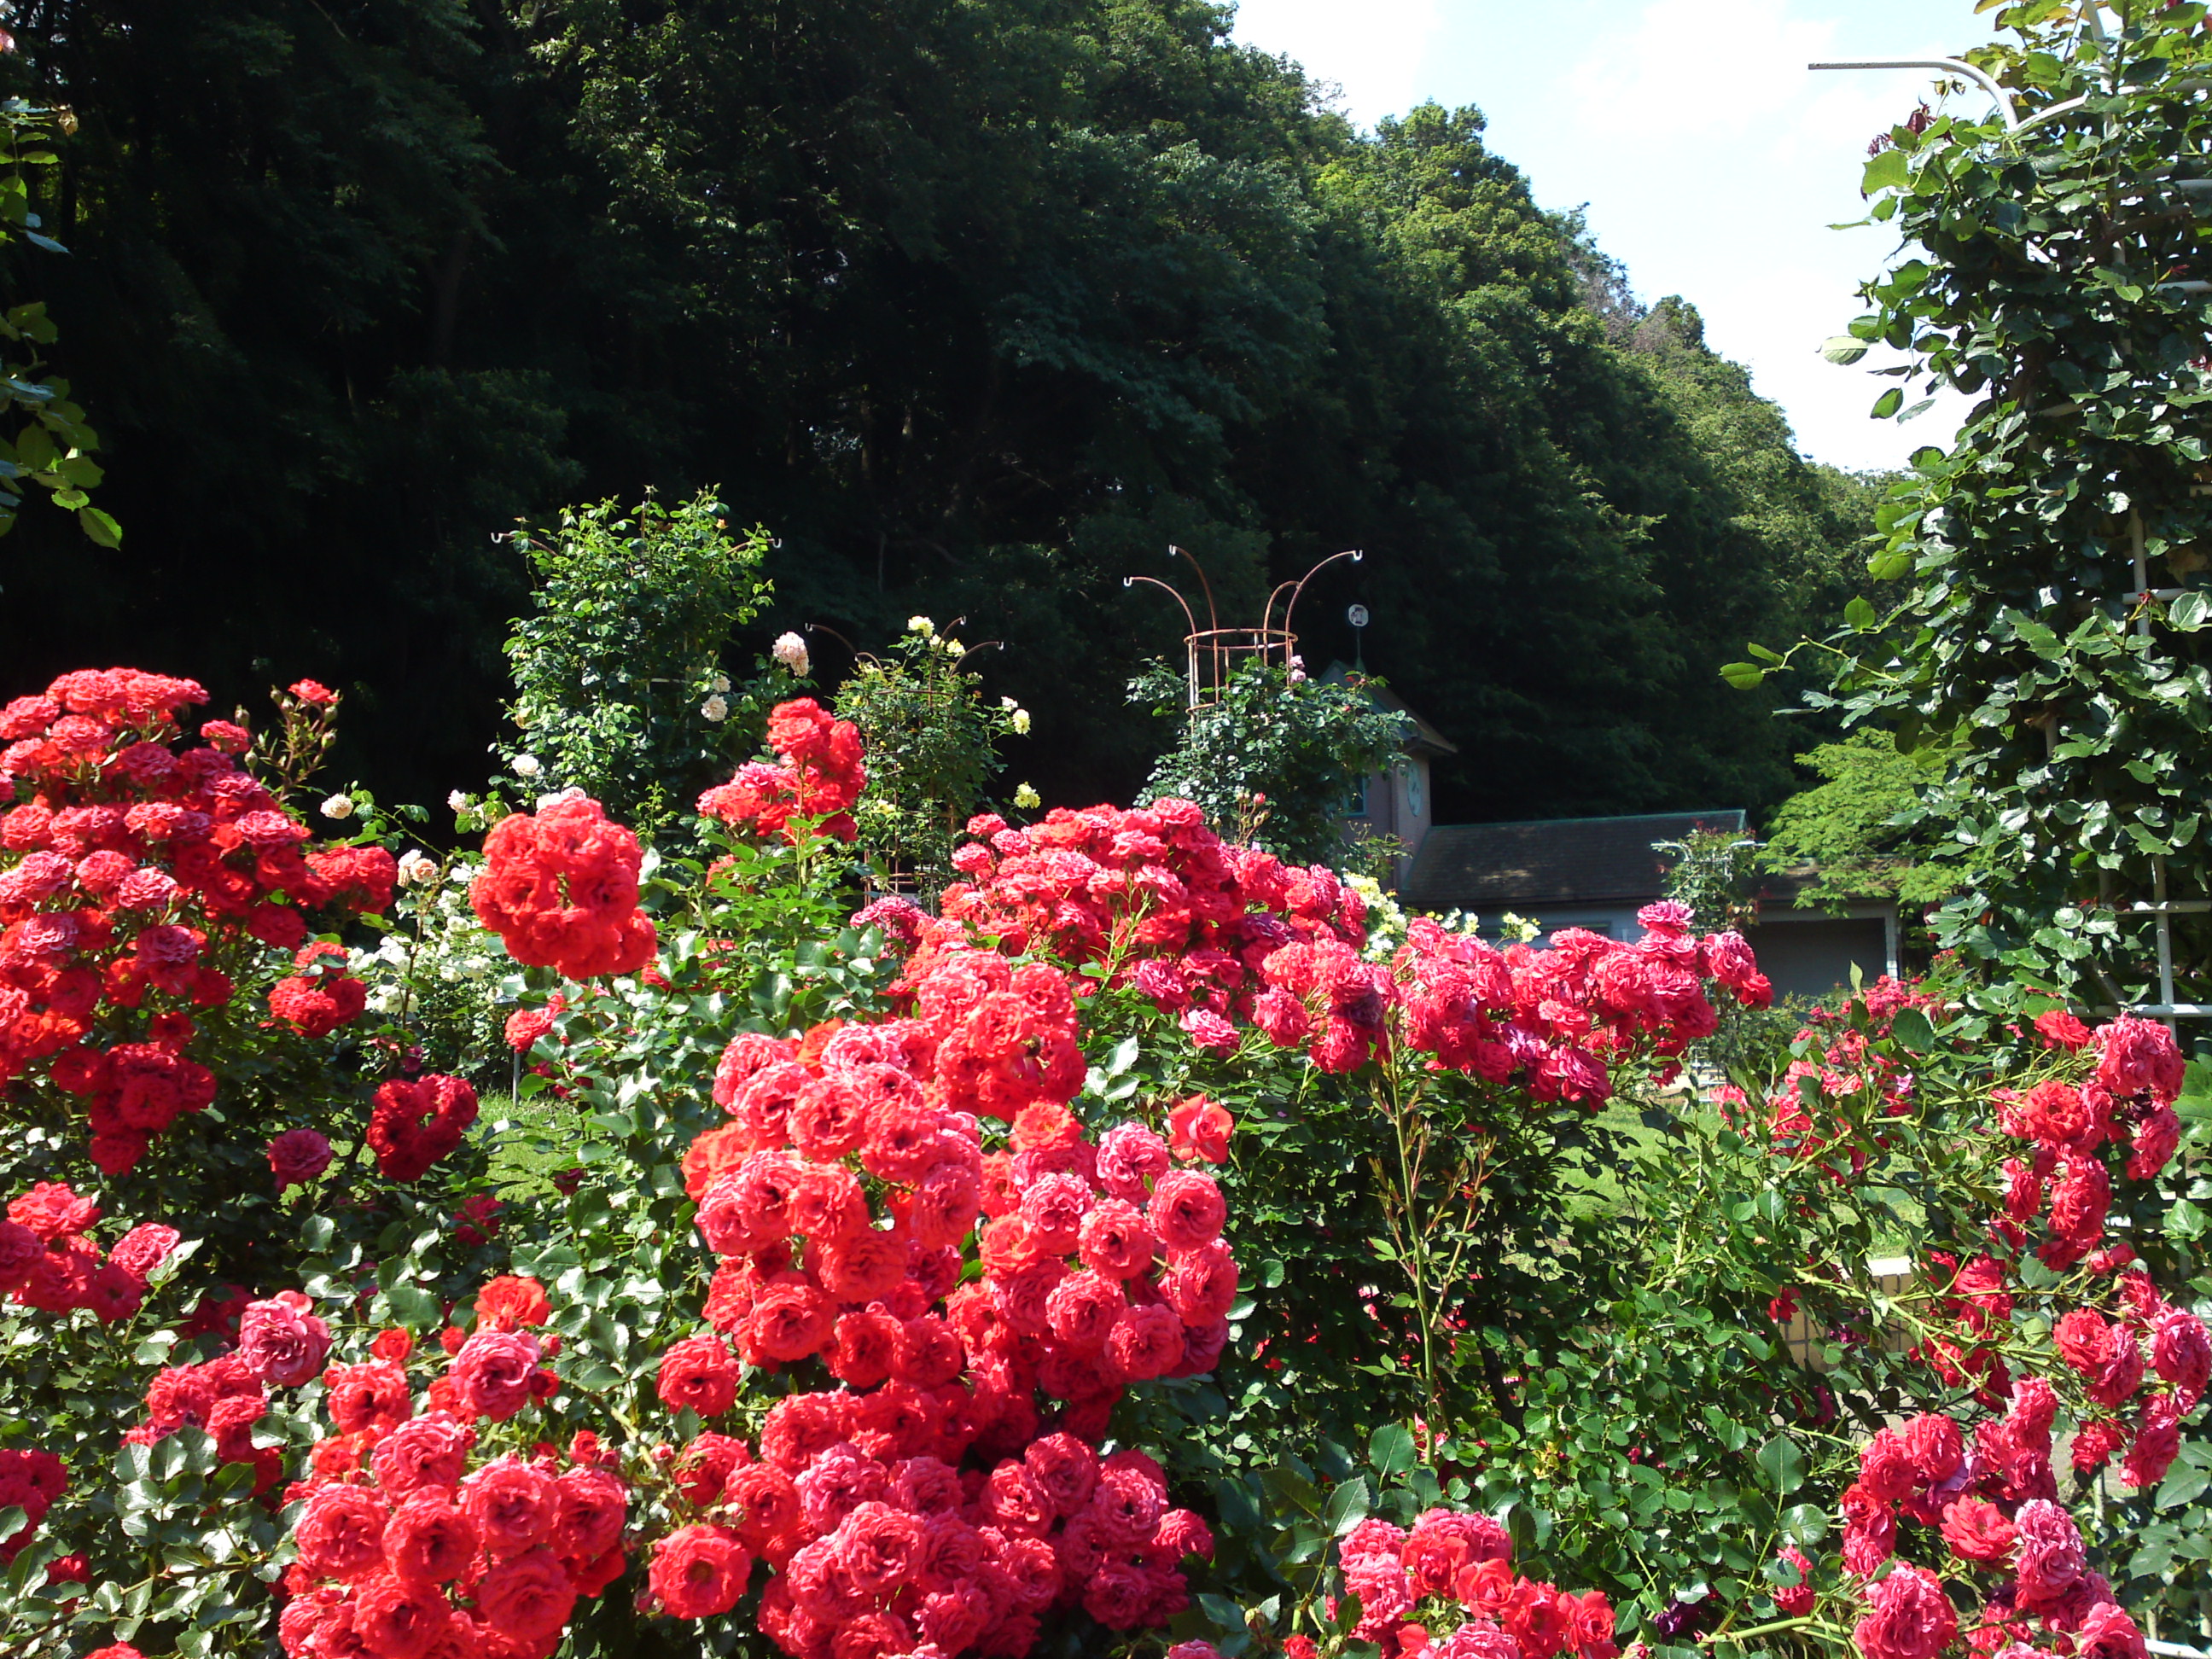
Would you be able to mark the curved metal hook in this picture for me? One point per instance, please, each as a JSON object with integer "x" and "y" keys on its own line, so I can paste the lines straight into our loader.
{"x": 1351, "y": 553}
{"x": 825, "y": 628}
{"x": 2004, "y": 98}
{"x": 1154, "y": 581}
{"x": 1267, "y": 616}
{"x": 1212, "y": 616}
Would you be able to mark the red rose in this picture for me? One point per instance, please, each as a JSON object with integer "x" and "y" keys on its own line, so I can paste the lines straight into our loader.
{"x": 398, "y": 1618}
{"x": 590, "y": 1508}
{"x": 1187, "y": 1210}
{"x": 512, "y": 1503}
{"x": 371, "y": 1398}
{"x": 1199, "y": 1129}
{"x": 297, "y": 1156}
{"x": 341, "y": 1531}
{"x": 492, "y": 1374}
{"x": 280, "y": 1341}
{"x": 698, "y": 1373}
{"x": 527, "y": 1599}
{"x": 423, "y": 1451}
{"x": 430, "y": 1539}
{"x": 511, "y": 1302}
{"x": 1909, "y": 1617}
{"x": 1978, "y": 1531}
{"x": 699, "y": 1571}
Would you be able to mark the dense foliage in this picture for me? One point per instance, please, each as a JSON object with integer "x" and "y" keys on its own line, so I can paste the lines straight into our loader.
{"x": 620, "y": 689}
{"x": 1859, "y": 830}
{"x": 2049, "y": 655}
{"x": 978, "y": 305}
{"x": 1152, "y": 1247}
{"x": 1273, "y": 750}
{"x": 54, "y": 449}
{"x": 922, "y": 712}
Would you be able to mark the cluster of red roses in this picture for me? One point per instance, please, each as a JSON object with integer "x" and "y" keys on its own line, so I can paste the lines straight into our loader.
{"x": 880, "y": 1543}
{"x": 1851, "y": 1060}
{"x": 560, "y": 889}
{"x": 1447, "y": 1588}
{"x": 1222, "y": 935}
{"x": 1550, "y": 1021}
{"x": 404, "y": 1551}
{"x": 1990, "y": 1507}
{"x": 925, "y": 1499}
{"x": 49, "y": 1261}
{"x": 414, "y": 1121}
{"x": 126, "y": 865}
{"x": 322, "y": 996}
{"x": 280, "y": 1341}
{"x": 2128, "y": 1102}
{"x": 30, "y": 1481}
{"x": 820, "y": 776}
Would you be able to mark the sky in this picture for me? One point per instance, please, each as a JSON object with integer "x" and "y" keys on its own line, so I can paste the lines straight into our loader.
{"x": 1711, "y": 160}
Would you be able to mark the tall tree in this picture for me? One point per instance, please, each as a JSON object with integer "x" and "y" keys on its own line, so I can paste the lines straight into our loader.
{"x": 979, "y": 303}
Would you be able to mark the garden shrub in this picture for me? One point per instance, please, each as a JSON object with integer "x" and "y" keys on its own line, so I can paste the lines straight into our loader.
{"x": 620, "y": 686}
{"x": 1149, "y": 1247}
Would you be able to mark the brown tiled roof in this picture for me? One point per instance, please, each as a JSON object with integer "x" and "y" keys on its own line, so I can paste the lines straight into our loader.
{"x": 1480, "y": 866}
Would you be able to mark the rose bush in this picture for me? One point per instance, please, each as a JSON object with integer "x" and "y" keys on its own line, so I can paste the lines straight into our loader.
{"x": 1150, "y": 1248}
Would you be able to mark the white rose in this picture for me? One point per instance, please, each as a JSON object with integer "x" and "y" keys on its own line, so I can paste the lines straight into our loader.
{"x": 791, "y": 651}
{"x": 458, "y": 802}
{"x": 720, "y": 683}
{"x": 338, "y": 807}
{"x": 526, "y": 766}
{"x": 1027, "y": 798}
{"x": 920, "y": 625}
{"x": 715, "y": 709}
{"x": 1021, "y": 722}
{"x": 417, "y": 865}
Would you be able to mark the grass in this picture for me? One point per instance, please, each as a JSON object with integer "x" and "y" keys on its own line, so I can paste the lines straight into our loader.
{"x": 528, "y": 1141}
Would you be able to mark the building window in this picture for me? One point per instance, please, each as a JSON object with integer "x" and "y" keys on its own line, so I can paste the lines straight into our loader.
{"x": 1355, "y": 804}
{"x": 1414, "y": 789}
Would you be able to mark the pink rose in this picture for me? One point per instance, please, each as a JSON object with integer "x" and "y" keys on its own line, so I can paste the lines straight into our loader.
{"x": 1187, "y": 1209}
{"x": 492, "y": 1373}
{"x": 144, "y": 1248}
{"x": 280, "y": 1341}
{"x": 1909, "y": 1617}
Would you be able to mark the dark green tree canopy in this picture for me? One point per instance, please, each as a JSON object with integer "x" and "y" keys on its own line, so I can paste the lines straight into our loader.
{"x": 977, "y": 305}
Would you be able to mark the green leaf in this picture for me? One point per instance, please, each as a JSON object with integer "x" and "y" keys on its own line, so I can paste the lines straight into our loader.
{"x": 1347, "y": 1506}
{"x": 1392, "y": 1451}
{"x": 414, "y": 1306}
{"x": 101, "y": 529}
{"x": 1859, "y": 614}
{"x": 1912, "y": 1031}
{"x": 1805, "y": 1523}
{"x": 1886, "y": 171}
{"x": 1743, "y": 676}
{"x": 1888, "y": 404}
{"x": 2189, "y": 612}
{"x": 2183, "y": 1486}
{"x": 1782, "y": 1465}
{"x": 1842, "y": 349}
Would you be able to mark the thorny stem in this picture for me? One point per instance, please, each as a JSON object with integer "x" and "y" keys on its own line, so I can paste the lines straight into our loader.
{"x": 1409, "y": 1234}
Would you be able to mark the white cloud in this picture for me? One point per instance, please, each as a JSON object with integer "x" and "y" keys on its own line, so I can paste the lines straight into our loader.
{"x": 1373, "y": 49}
{"x": 1734, "y": 161}
{"x": 1712, "y": 161}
